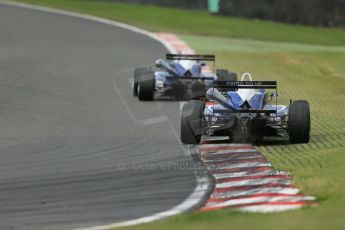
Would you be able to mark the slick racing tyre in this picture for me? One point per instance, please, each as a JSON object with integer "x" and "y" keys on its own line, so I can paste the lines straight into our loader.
{"x": 138, "y": 72}
{"x": 191, "y": 122}
{"x": 146, "y": 86}
{"x": 299, "y": 122}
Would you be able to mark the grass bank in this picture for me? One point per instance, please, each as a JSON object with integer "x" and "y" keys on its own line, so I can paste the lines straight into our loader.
{"x": 315, "y": 73}
{"x": 303, "y": 72}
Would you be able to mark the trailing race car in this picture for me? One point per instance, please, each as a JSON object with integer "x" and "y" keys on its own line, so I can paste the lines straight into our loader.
{"x": 245, "y": 115}
{"x": 179, "y": 76}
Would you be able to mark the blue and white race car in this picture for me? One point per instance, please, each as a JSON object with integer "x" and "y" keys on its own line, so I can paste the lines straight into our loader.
{"x": 180, "y": 76}
{"x": 242, "y": 111}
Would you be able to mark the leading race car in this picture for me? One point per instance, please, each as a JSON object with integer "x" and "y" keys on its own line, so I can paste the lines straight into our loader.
{"x": 245, "y": 115}
{"x": 180, "y": 76}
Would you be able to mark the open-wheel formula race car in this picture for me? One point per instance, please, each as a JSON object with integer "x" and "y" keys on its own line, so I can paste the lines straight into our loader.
{"x": 242, "y": 111}
{"x": 180, "y": 76}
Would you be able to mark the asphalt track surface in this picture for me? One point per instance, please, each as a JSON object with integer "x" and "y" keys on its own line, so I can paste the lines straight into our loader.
{"x": 71, "y": 153}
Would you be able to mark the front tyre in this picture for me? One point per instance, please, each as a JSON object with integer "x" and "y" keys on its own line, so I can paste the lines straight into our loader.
{"x": 299, "y": 122}
{"x": 191, "y": 122}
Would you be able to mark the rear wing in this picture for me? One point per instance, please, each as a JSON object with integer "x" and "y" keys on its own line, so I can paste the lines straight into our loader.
{"x": 233, "y": 85}
{"x": 224, "y": 86}
{"x": 191, "y": 57}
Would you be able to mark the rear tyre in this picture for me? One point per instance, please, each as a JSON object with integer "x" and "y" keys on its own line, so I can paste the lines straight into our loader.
{"x": 299, "y": 122}
{"x": 191, "y": 122}
{"x": 146, "y": 85}
{"x": 138, "y": 72}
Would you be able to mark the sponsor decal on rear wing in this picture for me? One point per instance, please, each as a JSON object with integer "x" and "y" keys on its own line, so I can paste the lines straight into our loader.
{"x": 245, "y": 84}
{"x": 191, "y": 57}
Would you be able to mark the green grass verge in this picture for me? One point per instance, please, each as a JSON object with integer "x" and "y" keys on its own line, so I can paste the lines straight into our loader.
{"x": 311, "y": 70}
{"x": 199, "y": 22}
{"x": 316, "y": 74}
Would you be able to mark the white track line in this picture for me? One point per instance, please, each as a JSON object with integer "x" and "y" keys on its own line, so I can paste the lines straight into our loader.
{"x": 203, "y": 182}
{"x": 186, "y": 205}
